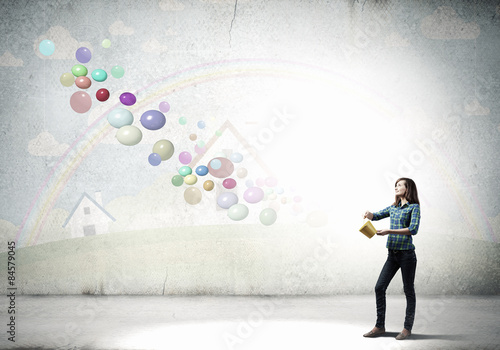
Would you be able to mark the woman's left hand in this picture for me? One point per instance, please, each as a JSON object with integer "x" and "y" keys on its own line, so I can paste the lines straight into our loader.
{"x": 382, "y": 232}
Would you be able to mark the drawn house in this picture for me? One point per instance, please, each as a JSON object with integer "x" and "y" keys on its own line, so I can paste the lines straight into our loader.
{"x": 88, "y": 217}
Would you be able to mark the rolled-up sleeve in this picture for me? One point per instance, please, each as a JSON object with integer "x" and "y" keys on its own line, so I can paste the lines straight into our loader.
{"x": 382, "y": 214}
{"x": 415, "y": 219}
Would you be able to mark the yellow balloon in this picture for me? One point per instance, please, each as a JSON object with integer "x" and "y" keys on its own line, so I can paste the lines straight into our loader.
{"x": 190, "y": 179}
{"x": 67, "y": 79}
{"x": 208, "y": 185}
{"x": 192, "y": 195}
{"x": 164, "y": 148}
{"x": 129, "y": 135}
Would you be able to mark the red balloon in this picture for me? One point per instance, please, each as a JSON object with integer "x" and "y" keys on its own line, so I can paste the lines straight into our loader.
{"x": 102, "y": 94}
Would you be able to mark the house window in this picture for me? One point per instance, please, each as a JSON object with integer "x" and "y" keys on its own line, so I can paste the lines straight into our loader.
{"x": 89, "y": 230}
{"x": 86, "y": 210}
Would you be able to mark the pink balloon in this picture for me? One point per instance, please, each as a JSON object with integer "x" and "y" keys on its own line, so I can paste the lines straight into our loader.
{"x": 253, "y": 194}
{"x": 83, "y": 82}
{"x": 185, "y": 157}
{"x": 229, "y": 183}
{"x": 80, "y": 101}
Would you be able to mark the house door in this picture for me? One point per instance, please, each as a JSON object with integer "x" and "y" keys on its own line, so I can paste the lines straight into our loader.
{"x": 89, "y": 230}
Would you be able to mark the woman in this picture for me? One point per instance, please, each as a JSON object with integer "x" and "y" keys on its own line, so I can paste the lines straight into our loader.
{"x": 405, "y": 220}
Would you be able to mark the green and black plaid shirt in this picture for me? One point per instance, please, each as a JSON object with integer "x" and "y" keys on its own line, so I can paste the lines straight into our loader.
{"x": 406, "y": 216}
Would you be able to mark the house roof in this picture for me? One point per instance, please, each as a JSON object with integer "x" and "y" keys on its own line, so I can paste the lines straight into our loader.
{"x": 93, "y": 201}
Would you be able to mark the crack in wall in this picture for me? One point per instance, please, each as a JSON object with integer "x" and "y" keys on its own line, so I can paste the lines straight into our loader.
{"x": 232, "y": 21}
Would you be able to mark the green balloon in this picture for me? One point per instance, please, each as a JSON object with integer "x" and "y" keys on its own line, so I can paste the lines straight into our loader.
{"x": 185, "y": 170}
{"x": 268, "y": 216}
{"x": 237, "y": 212}
{"x": 79, "y": 70}
{"x": 177, "y": 180}
{"x": 117, "y": 72}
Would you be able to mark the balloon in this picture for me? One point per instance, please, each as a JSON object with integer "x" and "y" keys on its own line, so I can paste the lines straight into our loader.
{"x": 46, "y": 47}
{"x": 236, "y": 157}
{"x": 241, "y": 173}
{"x": 129, "y": 135}
{"x": 199, "y": 150}
{"x": 153, "y": 119}
{"x": 177, "y": 180}
{"x": 200, "y": 143}
{"x": 154, "y": 159}
{"x": 79, "y": 70}
{"x": 218, "y": 133}
{"x": 229, "y": 183}
{"x": 227, "y": 199}
{"x": 220, "y": 167}
{"x": 102, "y": 94}
{"x": 208, "y": 185}
{"x": 106, "y": 43}
{"x": 201, "y": 124}
{"x": 182, "y": 120}
{"x": 202, "y": 170}
{"x": 253, "y": 194}
{"x": 268, "y": 216}
{"x": 164, "y": 148}
{"x": 119, "y": 117}
{"x": 83, "y": 55}
{"x": 193, "y": 137}
{"x": 185, "y": 157}
{"x": 190, "y": 179}
{"x": 164, "y": 107}
{"x": 83, "y": 82}
{"x": 99, "y": 75}
{"x": 127, "y": 98}
{"x": 249, "y": 183}
{"x": 67, "y": 79}
{"x": 185, "y": 170}
{"x": 117, "y": 72}
{"x": 80, "y": 101}
{"x": 192, "y": 195}
{"x": 238, "y": 212}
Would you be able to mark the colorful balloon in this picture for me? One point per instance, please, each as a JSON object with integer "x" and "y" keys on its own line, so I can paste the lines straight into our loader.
{"x": 201, "y": 124}
{"x": 102, "y": 94}
{"x": 83, "y": 82}
{"x": 67, "y": 79}
{"x": 201, "y": 170}
{"x": 185, "y": 157}
{"x": 117, "y": 72}
{"x": 177, "y": 180}
{"x": 236, "y": 157}
{"x": 229, "y": 183}
{"x": 164, "y": 107}
{"x": 153, "y": 119}
{"x": 200, "y": 150}
{"x": 83, "y": 55}
{"x": 127, "y": 98}
{"x": 253, "y": 194}
{"x": 99, "y": 75}
{"x": 119, "y": 117}
{"x": 190, "y": 179}
{"x": 193, "y": 137}
{"x": 129, "y": 135}
{"x": 154, "y": 159}
{"x": 227, "y": 200}
{"x": 185, "y": 170}
{"x": 106, "y": 43}
{"x": 164, "y": 148}
{"x": 220, "y": 167}
{"x": 182, "y": 120}
{"x": 208, "y": 185}
{"x": 268, "y": 216}
{"x": 192, "y": 195}
{"x": 79, "y": 70}
{"x": 241, "y": 173}
{"x": 80, "y": 101}
{"x": 238, "y": 212}
{"x": 46, "y": 47}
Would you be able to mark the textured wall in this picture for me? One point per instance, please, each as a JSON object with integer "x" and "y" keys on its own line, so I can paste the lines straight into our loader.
{"x": 328, "y": 102}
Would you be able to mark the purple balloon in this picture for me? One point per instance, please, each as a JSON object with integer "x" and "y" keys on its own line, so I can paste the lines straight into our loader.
{"x": 154, "y": 159}
{"x": 127, "y": 98}
{"x": 83, "y": 55}
{"x": 153, "y": 119}
{"x": 164, "y": 107}
{"x": 185, "y": 157}
{"x": 227, "y": 199}
{"x": 253, "y": 194}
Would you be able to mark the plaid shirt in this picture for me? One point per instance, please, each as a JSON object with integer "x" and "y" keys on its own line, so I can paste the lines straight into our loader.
{"x": 406, "y": 216}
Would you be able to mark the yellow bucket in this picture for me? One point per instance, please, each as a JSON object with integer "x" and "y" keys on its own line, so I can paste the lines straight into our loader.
{"x": 368, "y": 230}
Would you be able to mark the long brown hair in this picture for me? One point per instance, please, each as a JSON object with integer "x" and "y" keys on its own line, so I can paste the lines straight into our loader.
{"x": 411, "y": 194}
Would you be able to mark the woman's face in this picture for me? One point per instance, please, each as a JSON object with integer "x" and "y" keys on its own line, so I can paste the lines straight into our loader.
{"x": 401, "y": 189}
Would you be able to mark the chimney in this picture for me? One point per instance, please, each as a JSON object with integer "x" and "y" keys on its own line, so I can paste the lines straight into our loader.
{"x": 98, "y": 197}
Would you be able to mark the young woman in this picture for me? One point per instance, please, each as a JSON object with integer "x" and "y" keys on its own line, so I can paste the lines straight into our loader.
{"x": 405, "y": 219}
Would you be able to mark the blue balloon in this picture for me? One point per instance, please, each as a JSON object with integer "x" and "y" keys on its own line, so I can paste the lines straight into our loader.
{"x": 201, "y": 124}
{"x": 46, "y": 47}
{"x": 202, "y": 170}
{"x": 154, "y": 159}
{"x": 227, "y": 200}
{"x": 83, "y": 55}
{"x": 99, "y": 75}
{"x": 153, "y": 119}
{"x": 119, "y": 117}
{"x": 236, "y": 157}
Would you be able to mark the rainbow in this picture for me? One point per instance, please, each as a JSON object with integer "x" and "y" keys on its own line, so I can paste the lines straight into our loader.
{"x": 43, "y": 202}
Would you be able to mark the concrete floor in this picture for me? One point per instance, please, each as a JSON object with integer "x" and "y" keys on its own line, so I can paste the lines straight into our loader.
{"x": 219, "y": 322}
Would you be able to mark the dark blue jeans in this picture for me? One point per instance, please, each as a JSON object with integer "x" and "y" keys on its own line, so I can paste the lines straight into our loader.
{"x": 406, "y": 260}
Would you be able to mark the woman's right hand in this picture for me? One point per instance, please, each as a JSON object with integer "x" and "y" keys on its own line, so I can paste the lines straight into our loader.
{"x": 368, "y": 215}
